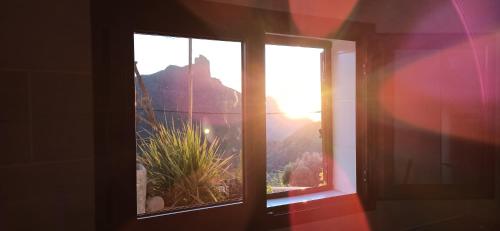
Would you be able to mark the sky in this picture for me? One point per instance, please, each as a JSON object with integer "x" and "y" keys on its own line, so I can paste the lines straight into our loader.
{"x": 293, "y": 80}
{"x": 154, "y": 53}
{"x": 293, "y": 74}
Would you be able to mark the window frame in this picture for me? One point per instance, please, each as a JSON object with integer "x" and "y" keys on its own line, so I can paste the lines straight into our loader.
{"x": 326, "y": 107}
{"x": 208, "y": 213}
{"x": 113, "y": 23}
{"x": 243, "y": 140}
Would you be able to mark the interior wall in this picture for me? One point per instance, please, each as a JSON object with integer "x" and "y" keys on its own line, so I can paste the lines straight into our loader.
{"x": 46, "y": 126}
{"x": 394, "y": 16}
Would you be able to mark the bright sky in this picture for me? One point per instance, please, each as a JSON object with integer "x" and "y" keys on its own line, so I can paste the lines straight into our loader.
{"x": 154, "y": 53}
{"x": 293, "y": 79}
{"x": 293, "y": 74}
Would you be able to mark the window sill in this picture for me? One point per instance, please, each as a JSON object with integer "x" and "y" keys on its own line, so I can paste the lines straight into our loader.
{"x": 272, "y": 203}
{"x": 311, "y": 207}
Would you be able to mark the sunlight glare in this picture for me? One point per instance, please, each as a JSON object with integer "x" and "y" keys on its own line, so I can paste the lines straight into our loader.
{"x": 293, "y": 80}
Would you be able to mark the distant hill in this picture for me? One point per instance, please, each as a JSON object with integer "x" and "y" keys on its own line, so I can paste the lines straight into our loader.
{"x": 215, "y": 106}
{"x": 278, "y": 125}
{"x": 218, "y": 107}
{"x": 169, "y": 92}
{"x": 305, "y": 139}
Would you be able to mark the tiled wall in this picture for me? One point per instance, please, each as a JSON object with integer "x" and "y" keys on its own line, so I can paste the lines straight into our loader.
{"x": 46, "y": 120}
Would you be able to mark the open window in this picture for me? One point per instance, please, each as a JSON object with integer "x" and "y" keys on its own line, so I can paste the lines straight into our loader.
{"x": 298, "y": 116}
{"x": 310, "y": 119}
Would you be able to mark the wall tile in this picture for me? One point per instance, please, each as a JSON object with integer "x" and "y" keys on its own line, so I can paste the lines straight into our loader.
{"x": 50, "y": 181}
{"x": 61, "y": 95}
{"x": 15, "y": 136}
{"x": 54, "y": 215}
{"x": 48, "y": 35}
{"x": 31, "y": 214}
{"x": 15, "y": 142}
{"x": 56, "y": 196}
{"x": 62, "y": 139}
{"x": 78, "y": 213}
{"x": 14, "y": 98}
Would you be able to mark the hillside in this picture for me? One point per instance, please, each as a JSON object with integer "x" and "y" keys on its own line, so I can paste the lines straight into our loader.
{"x": 218, "y": 108}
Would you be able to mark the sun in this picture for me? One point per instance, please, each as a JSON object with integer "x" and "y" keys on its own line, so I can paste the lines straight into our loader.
{"x": 293, "y": 80}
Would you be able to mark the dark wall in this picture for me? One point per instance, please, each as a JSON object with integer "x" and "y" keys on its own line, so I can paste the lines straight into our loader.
{"x": 46, "y": 121}
{"x": 394, "y": 16}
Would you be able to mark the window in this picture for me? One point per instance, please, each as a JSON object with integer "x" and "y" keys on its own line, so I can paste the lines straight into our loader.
{"x": 188, "y": 122}
{"x": 136, "y": 104}
{"x": 297, "y": 131}
{"x": 311, "y": 146}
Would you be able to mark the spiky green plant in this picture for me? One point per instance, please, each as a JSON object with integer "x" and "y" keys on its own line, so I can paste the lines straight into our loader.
{"x": 182, "y": 166}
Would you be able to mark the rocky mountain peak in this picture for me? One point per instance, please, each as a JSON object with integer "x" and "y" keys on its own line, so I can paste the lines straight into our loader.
{"x": 201, "y": 67}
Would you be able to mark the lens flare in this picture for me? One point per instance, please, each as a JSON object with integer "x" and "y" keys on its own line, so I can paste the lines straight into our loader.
{"x": 431, "y": 86}
{"x": 350, "y": 204}
{"x": 446, "y": 84}
{"x": 333, "y": 13}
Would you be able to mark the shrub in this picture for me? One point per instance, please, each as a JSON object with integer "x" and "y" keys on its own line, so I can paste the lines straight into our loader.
{"x": 305, "y": 171}
{"x": 182, "y": 166}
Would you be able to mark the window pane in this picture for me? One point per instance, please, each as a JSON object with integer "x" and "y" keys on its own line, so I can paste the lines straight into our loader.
{"x": 188, "y": 122}
{"x": 439, "y": 132}
{"x": 293, "y": 120}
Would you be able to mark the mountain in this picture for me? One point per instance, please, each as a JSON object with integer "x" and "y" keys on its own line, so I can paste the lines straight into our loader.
{"x": 278, "y": 125}
{"x": 211, "y": 99}
{"x": 213, "y": 103}
{"x": 305, "y": 139}
{"x": 218, "y": 108}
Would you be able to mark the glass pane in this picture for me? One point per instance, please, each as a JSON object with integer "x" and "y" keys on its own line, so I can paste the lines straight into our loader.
{"x": 440, "y": 119}
{"x": 293, "y": 119}
{"x": 188, "y": 122}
